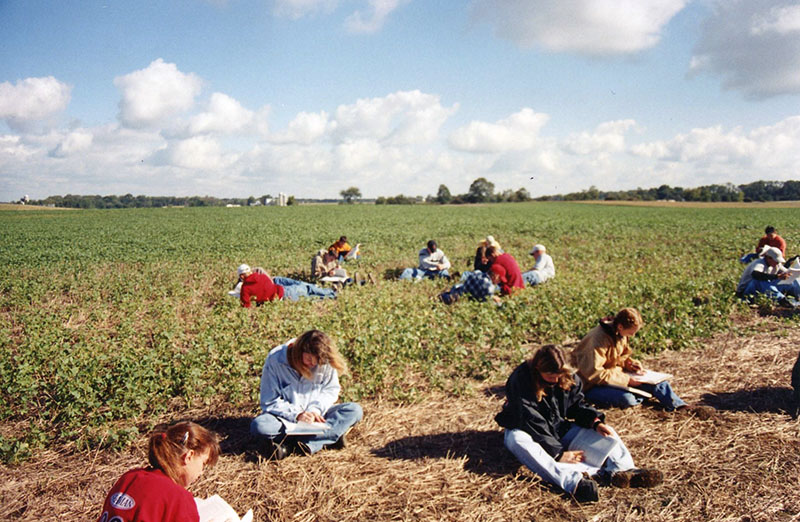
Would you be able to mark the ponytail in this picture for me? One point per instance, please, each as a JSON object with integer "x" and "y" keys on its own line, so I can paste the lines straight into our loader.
{"x": 168, "y": 445}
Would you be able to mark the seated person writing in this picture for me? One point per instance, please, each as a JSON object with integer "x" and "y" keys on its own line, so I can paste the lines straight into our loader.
{"x": 606, "y": 368}
{"x": 544, "y": 413}
{"x": 432, "y": 263}
{"x": 300, "y": 383}
{"x": 767, "y": 275}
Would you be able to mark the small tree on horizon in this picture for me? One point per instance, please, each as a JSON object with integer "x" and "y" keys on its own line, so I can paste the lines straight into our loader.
{"x": 350, "y": 195}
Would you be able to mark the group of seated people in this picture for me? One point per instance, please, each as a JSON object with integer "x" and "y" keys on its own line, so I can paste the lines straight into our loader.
{"x": 768, "y": 272}
{"x": 496, "y": 273}
{"x": 546, "y": 419}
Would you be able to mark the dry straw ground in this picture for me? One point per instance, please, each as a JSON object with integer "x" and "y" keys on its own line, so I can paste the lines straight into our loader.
{"x": 443, "y": 459}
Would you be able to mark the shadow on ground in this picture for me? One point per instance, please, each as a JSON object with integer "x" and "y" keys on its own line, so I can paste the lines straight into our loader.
{"x": 483, "y": 450}
{"x": 759, "y": 400}
{"x": 234, "y": 434}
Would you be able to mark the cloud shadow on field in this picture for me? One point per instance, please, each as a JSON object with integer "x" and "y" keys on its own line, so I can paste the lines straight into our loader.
{"x": 767, "y": 399}
{"x": 484, "y": 450}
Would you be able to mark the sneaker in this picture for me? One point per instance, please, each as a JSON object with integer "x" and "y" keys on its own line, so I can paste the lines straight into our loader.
{"x": 699, "y": 411}
{"x": 637, "y": 478}
{"x": 446, "y": 298}
{"x": 586, "y": 491}
{"x": 276, "y": 451}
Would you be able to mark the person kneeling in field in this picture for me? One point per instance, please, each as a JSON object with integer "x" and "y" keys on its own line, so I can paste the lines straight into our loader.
{"x": 544, "y": 415}
{"x": 608, "y": 372}
{"x": 300, "y": 383}
{"x": 764, "y": 276}
{"x": 544, "y": 268}
{"x": 177, "y": 457}
{"x": 257, "y": 284}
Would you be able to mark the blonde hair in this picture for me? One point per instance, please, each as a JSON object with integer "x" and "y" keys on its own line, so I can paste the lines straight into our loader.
{"x": 550, "y": 359}
{"x": 628, "y": 317}
{"x": 316, "y": 343}
{"x": 169, "y": 444}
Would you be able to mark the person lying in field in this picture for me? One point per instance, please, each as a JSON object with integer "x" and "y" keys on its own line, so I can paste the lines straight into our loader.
{"x": 606, "y": 368}
{"x": 177, "y": 457}
{"x": 544, "y": 414}
{"x": 476, "y": 285}
{"x": 300, "y": 383}
{"x": 257, "y": 285}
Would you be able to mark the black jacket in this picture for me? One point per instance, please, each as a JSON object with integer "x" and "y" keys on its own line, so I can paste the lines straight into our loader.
{"x": 546, "y": 421}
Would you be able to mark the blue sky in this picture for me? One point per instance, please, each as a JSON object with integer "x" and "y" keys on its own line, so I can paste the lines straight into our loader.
{"x": 233, "y": 98}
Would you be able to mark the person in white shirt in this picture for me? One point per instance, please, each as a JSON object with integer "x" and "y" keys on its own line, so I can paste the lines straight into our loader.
{"x": 300, "y": 383}
{"x": 544, "y": 268}
{"x": 432, "y": 263}
{"x": 766, "y": 275}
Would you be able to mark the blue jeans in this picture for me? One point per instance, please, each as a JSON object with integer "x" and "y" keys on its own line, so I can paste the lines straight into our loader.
{"x": 532, "y": 277}
{"x": 418, "y": 273}
{"x": 610, "y": 396}
{"x": 565, "y": 476}
{"x": 294, "y": 289}
{"x": 340, "y": 416}
{"x": 771, "y": 289}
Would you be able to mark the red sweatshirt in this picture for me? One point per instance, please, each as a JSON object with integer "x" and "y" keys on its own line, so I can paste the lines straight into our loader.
{"x": 261, "y": 287}
{"x": 148, "y": 495}
{"x": 513, "y": 274}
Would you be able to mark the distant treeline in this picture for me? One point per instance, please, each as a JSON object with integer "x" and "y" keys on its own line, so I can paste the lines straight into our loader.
{"x": 480, "y": 191}
{"x": 758, "y": 191}
{"x": 131, "y": 201}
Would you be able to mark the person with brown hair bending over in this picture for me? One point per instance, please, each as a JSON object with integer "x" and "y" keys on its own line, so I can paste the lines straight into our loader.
{"x": 177, "y": 457}
{"x": 300, "y": 383}
{"x": 544, "y": 414}
{"x": 604, "y": 363}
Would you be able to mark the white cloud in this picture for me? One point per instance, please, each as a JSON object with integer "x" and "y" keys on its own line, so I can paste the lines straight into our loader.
{"x": 404, "y": 117}
{"x": 202, "y": 153}
{"x": 716, "y": 155}
{"x": 298, "y": 8}
{"x": 305, "y": 128}
{"x": 224, "y": 115}
{"x": 152, "y": 94}
{"x": 32, "y": 99}
{"x": 753, "y": 46}
{"x": 76, "y": 141}
{"x": 517, "y": 132}
{"x": 608, "y": 137}
{"x": 588, "y": 27}
{"x": 373, "y": 19}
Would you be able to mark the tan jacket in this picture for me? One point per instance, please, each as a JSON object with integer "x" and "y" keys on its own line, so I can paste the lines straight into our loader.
{"x": 599, "y": 359}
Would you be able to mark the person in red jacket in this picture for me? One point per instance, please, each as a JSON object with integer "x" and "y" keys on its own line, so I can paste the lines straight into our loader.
{"x": 177, "y": 457}
{"x": 513, "y": 275}
{"x": 255, "y": 283}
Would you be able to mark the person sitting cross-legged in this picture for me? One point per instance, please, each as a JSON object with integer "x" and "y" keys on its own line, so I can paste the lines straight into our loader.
{"x": 432, "y": 263}
{"x": 300, "y": 383}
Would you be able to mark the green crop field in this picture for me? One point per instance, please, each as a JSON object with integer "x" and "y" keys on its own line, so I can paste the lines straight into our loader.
{"x": 108, "y": 318}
